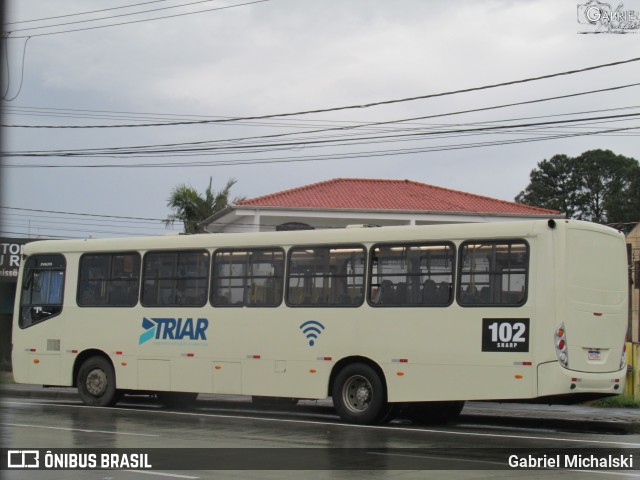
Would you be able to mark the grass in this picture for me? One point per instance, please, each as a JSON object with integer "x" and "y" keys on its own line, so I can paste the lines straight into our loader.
{"x": 619, "y": 401}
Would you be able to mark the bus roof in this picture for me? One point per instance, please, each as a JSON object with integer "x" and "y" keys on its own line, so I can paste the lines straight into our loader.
{"x": 314, "y": 237}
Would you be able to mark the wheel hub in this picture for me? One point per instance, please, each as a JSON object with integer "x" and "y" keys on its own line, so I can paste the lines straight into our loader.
{"x": 362, "y": 395}
{"x": 357, "y": 394}
{"x": 96, "y": 382}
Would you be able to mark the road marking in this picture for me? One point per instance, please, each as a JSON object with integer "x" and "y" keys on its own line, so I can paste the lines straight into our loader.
{"x": 602, "y": 472}
{"x": 78, "y": 430}
{"x": 162, "y": 474}
{"x": 336, "y": 424}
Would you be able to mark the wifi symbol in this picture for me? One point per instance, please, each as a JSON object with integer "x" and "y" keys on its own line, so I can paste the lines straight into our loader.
{"x": 312, "y": 330}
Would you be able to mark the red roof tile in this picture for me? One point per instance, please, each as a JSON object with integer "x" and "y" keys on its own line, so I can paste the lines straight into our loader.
{"x": 374, "y": 194}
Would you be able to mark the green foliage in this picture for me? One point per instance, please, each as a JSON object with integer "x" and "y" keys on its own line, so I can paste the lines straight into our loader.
{"x": 598, "y": 186}
{"x": 619, "y": 401}
{"x": 192, "y": 209}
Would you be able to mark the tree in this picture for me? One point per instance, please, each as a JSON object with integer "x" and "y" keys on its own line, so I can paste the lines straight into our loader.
{"x": 597, "y": 186}
{"x": 192, "y": 209}
{"x": 553, "y": 185}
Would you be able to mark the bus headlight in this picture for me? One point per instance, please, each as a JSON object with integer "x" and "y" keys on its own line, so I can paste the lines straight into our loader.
{"x": 560, "y": 337}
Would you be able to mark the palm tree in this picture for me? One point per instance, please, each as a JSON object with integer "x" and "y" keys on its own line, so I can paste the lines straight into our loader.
{"x": 192, "y": 209}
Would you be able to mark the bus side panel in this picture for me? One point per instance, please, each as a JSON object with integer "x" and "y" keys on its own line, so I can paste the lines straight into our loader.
{"x": 416, "y": 383}
{"x": 226, "y": 377}
{"x": 37, "y": 354}
{"x": 186, "y": 369}
{"x": 299, "y": 379}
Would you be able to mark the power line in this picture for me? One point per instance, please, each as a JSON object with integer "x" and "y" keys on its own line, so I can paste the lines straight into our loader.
{"x": 234, "y": 141}
{"x": 80, "y": 214}
{"x": 24, "y": 52}
{"x": 408, "y": 99}
{"x": 345, "y": 156}
{"x": 46, "y": 221}
{"x": 82, "y": 13}
{"x": 369, "y": 124}
{"x": 5, "y": 232}
{"x": 67, "y": 229}
{"x": 142, "y": 20}
{"x": 63, "y": 219}
{"x": 188, "y": 147}
{"x": 112, "y": 16}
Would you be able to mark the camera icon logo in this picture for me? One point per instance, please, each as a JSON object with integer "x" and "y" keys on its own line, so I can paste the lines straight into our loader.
{"x": 594, "y": 13}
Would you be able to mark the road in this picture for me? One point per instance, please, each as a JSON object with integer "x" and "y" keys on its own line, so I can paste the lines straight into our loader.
{"x": 468, "y": 448}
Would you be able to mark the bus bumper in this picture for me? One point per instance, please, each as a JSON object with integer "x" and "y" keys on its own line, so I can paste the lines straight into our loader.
{"x": 555, "y": 380}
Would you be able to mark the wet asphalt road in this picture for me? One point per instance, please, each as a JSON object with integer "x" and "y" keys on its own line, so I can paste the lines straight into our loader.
{"x": 136, "y": 425}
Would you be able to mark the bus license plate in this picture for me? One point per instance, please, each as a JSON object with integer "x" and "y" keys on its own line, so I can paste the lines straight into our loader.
{"x": 594, "y": 355}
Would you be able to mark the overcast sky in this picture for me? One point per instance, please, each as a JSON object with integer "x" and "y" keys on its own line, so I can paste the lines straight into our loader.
{"x": 282, "y": 56}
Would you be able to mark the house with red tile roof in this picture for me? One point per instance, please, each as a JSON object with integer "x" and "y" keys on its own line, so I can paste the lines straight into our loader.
{"x": 340, "y": 202}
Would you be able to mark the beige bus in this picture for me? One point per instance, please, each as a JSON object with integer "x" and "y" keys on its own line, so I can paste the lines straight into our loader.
{"x": 417, "y": 319}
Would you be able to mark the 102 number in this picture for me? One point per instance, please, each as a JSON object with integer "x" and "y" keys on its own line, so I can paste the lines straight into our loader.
{"x": 506, "y": 332}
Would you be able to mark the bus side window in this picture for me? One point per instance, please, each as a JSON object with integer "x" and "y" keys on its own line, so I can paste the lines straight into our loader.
{"x": 42, "y": 289}
{"x": 109, "y": 279}
{"x": 326, "y": 276}
{"x": 403, "y": 275}
{"x": 175, "y": 278}
{"x": 250, "y": 278}
{"x": 493, "y": 273}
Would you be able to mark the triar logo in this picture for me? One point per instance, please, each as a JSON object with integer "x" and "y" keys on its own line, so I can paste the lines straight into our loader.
{"x": 173, "y": 329}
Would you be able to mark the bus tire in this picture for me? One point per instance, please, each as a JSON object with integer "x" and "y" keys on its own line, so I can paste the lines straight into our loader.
{"x": 97, "y": 383}
{"x": 359, "y": 395}
{"x": 433, "y": 413}
{"x": 177, "y": 399}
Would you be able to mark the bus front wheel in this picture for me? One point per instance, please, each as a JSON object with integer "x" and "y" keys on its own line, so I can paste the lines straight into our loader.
{"x": 359, "y": 395}
{"x": 97, "y": 383}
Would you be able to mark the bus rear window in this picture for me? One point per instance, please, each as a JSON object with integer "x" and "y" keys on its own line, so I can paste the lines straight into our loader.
{"x": 42, "y": 289}
{"x": 493, "y": 273}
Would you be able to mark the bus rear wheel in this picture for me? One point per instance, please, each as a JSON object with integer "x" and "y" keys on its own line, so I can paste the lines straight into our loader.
{"x": 97, "y": 383}
{"x": 359, "y": 395}
{"x": 431, "y": 413}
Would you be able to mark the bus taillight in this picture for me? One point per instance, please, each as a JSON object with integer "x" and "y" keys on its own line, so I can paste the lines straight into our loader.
{"x": 561, "y": 346}
{"x": 623, "y": 358}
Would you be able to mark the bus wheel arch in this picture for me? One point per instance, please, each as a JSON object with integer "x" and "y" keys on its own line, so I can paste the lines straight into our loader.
{"x": 95, "y": 378}
{"x": 359, "y": 390}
